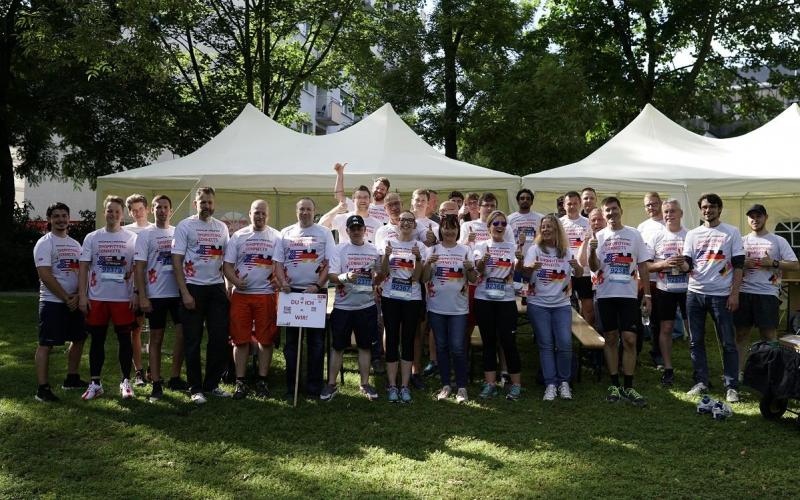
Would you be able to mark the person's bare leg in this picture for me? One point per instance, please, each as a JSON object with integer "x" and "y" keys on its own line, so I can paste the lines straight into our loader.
{"x": 405, "y": 372}
{"x": 74, "y": 357}
{"x": 264, "y": 359}
{"x": 42, "y": 358}
{"x": 628, "y": 353}
{"x": 391, "y": 373}
{"x": 587, "y": 311}
{"x": 611, "y": 350}
{"x": 364, "y": 359}
{"x": 335, "y": 365}
{"x": 742, "y": 343}
{"x": 665, "y": 342}
{"x": 156, "y": 341}
{"x": 240, "y": 355}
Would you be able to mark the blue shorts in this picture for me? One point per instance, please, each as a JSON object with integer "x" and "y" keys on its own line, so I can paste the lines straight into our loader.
{"x": 57, "y": 324}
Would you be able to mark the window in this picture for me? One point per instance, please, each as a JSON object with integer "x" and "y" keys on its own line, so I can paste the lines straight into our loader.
{"x": 791, "y": 231}
{"x": 305, "y": 128}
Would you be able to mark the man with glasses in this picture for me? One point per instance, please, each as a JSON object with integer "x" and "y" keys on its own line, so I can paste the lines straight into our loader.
{"x": 475, "y": 231}
{"x": 651, "y": 227}
{"x": 524, "y": 222}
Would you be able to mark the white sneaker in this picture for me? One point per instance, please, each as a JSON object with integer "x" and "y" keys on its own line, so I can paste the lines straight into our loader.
{"x": 444, "y": 393}
{"x": 199, "y": 398}
{"x": 549, "y": 393}
{"x": 697, "y": 389}
{"x": 732, "y": 396}
{"x": 93, "y": 391}
{"x": 126, "y": 389}
{"x": 564, "y": 391}
{"x": 461, "y": 395}
{"x": 221, "y": 393}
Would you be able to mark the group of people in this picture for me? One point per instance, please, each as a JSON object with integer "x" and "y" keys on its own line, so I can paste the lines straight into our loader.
{"x": 398, "y": 274}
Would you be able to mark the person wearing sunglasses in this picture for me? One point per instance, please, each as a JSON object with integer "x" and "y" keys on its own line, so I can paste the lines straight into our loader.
{"x": 495, "y": 305}
{"x": 448, "y": 267}
{"x": 401, "y": 303}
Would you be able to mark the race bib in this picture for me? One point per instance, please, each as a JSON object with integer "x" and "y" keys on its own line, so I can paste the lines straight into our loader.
{"x": 363, "y": 283}
{"x": 114, "y": 276}
{"x": 677, "y": 282}
{"x": 619, "y": 273}
{"x": 400, "y": 288}
{"x": 496, "y": 288}
{"x": 166, "y": 268}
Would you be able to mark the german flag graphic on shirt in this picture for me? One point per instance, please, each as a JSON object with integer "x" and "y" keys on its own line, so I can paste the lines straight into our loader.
{"x": 305, "y": 256}
{"x": 211, "y": 251}
{"x": 68, "y": 265}
{"x": 257, "y": 260}
{"x": 716, "y": 255}
{"x": 503, "y": 263}
{"x": 401, "y": 263}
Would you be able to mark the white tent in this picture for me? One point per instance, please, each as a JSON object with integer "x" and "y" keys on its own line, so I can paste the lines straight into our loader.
{"x": 255, "y": 156}
{"x": 655, "y": 154}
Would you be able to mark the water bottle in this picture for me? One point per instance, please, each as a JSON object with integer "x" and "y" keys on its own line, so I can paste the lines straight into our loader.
{"x": 645, "y": 317}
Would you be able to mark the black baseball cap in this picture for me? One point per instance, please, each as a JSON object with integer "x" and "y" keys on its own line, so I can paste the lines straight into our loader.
{"x": 355, "y": 220}
{"x": 757, "y": 208}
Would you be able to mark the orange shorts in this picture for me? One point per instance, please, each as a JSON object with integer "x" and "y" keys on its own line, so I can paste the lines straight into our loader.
{"x": 248, "y": 310}
{"x": 100, "y": 311}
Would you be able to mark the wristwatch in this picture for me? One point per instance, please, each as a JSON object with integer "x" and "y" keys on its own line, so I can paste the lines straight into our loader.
{"x": 776, "y": 263}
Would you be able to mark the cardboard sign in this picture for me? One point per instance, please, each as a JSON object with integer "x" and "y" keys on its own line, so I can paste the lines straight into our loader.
{"x": 304, "y": 310}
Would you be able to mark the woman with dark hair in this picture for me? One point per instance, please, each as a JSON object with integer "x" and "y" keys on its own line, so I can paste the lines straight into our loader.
{"x": 448, "y": 267}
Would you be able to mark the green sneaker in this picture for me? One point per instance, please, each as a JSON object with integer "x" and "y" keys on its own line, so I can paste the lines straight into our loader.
{"x": 488, "y": 391}
{"x": 613, "y": 394}
{"x": 634, "y": 397}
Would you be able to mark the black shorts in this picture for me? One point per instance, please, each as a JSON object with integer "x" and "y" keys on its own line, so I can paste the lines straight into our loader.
{"x": 620, "y": 314}
{"x": 363, "y": 322}
{"x": 761, "y": 311}
{"x": 666, "y": 303}
{"x": 582, "y": 287}
{"x": 158, "y": 318}
{"x": 57, "y": 324}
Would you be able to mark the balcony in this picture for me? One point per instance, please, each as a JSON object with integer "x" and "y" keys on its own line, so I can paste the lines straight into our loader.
{"x": 329, "y": 113}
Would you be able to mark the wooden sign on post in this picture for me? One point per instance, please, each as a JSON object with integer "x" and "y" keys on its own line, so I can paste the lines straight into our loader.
{"x": 305, "y": 310}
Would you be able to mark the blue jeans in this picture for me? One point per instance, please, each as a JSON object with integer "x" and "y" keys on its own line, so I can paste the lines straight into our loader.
{"x": 554, "y": 336}
{"x": 450, "y": 333}
{"x": 697, "y": 305}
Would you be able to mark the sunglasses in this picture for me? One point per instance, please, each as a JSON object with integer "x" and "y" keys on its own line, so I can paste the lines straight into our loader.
{"x": 497, "y": 223}
{"x": 407, "y": 221}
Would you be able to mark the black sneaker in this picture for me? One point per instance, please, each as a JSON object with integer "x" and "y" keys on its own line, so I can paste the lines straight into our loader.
{"x": 177, "y": 384}
{"x": 45, "y": 395}
{"x": 613, "y": 394}
{"x": 240, "y": 392}
{"x": 74, "y": 382}
{"x": 430, "y": 369}
{"x": 634, "y": 397}
{"x": 668, "y": 379}
{"x": 262, "y": 390}
{"x": 157, "y": 392}
{"x": 138, "y": 379}
{"x": 418, "y": 382}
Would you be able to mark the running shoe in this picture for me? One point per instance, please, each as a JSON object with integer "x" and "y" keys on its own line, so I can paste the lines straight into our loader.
{"x": 705, "y": 405}
{"x": 444, "y": 393}
{"x": 177, "y": 384}
{"x": 262, "y": 390}
{"x": 240, "y": 390}
{"x": 488, "y": 391}
{"x": 461, "y": 395}
{"x": 392, "y": 394}
{"x": 158, "y": 391}
{"x": 45, "y": 395}
{"x": 138, "y": 379}
{"x": 126, "y": 389}
{"x": 328, "y": 392}
{"x": 74, "y": 382}
{"x": 697, "y": 389}
{"x": 430, "y": 369}
{"x": 634, "y": 397}
{"x": 514, "y": 392}
{"x": 732, "y": 396}
{"x": 721, "y": 411}
{"x": 368, "y": 391}
{"x": 199, "y": 398}
{"x": 220, "y": 392}
{"x": 549, "y": 393}
{"x": 93, "y": 391}
{"x": 418, "y": 382}
{"x": 564, "y": 390}
{"x": 613, "y": 394}
{"x": 405, "y": 394}
{"x": 668, "y": 379}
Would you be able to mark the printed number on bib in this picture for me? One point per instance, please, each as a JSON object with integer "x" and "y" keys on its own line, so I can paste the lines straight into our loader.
{"x": 496, "y": 288}
{"x": 401, "y": 288}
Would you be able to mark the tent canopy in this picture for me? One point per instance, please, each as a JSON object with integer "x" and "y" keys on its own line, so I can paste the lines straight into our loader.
{"x": 654, "y": 153}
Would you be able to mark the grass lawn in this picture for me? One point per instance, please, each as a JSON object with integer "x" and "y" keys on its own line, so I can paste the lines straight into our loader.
{"x": 353, "y": 448}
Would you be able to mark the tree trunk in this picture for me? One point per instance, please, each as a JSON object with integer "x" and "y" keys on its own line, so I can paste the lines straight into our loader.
{"x": 9, "y": 42}
{"x": 450, "y": 40}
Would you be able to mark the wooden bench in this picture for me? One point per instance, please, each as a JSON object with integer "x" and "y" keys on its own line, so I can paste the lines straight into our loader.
{"x": 587, "y": 338}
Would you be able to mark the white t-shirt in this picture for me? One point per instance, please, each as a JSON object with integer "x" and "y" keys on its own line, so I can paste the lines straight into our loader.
{"x": 253, "y": 254}
{"x": 711, "y": 250}
{"x": 203, "y": 246}
{"x": 384, "y": 234}
{"x": 649, "y": 229}
{"x": 422, "y": 229}
{"x": 446, "y": 292}
{"x": 136, "y": 229}
{"x": 527, "y": 224}
{"x": 619, "y": 253}
{"x": 578, "y": 230}
{"x": 302, "y": 253}
{"x": 495, "y": 283}
{"x": 61, "y": 255}
{"x": 399, "y": 285}
{"x": 550, "y": 285}
{"x": 377, "y": 212}
{"x": 339, "y": 223}
{"x": 765, "y": 280}
{"x": 362, "y": 260}
{"x": 481, "y": 231}
{"x": 111, "y": 264}
{"x": 154, "y": 246}
{"x": 666, "y": 244}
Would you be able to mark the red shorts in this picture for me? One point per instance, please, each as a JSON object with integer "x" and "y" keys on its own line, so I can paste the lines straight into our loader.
{"x": 101, "y": 311}
{"x": 247, "y": 310}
